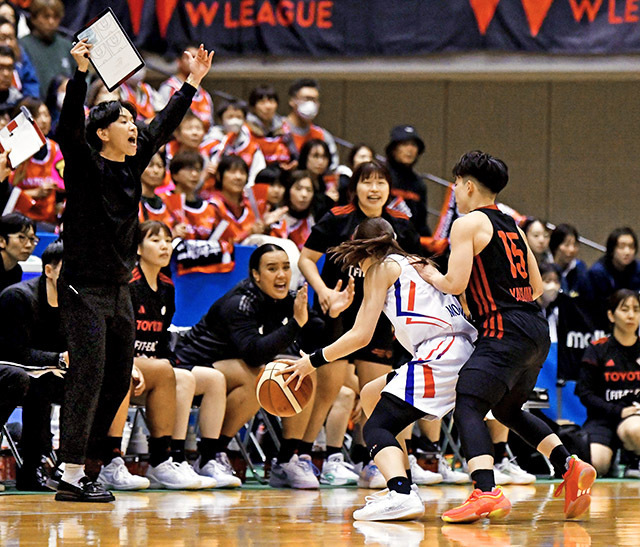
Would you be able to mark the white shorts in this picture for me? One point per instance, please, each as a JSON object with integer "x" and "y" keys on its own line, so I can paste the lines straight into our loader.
{"x": 428, "y": 382}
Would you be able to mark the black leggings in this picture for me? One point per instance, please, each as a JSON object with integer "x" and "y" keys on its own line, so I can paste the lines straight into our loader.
{"x": 390, "y": 416}
{"x": 506, "y": 406}
{"x": 100, "y": 329}
{"x": 14, "y": 384}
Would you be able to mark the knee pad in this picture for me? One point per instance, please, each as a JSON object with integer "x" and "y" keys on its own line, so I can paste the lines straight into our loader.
{"x": 377, "y": 435}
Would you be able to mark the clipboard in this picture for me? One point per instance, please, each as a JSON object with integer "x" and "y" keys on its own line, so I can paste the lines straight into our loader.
{"x": 114, "y": 57}
{"x": 22, "y": 136}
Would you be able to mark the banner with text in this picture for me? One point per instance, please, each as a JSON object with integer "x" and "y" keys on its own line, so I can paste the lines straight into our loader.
{"x": 322, "y": 28}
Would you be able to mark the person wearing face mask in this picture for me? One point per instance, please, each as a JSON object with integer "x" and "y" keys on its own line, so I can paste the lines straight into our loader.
{"x": 232, "y": 138}
{"x": 617, "y": 269}
{"x": 298, "y": 126}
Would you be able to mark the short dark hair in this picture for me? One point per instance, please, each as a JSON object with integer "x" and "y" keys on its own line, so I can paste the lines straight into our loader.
{"x": 356, "y": 148}
{"x": 530, "y": 221}
{"x": 559, "y": 234}
{"x": 227, "y": 163}
{"x": 14, "y": 223}
{"x": 306, "y": 150}
{"x": 185, "y": 158}
{"x": 190, "y": 115}
{"x": 32, "y": 104}
{"x": 6, "y": 51}
{"x": 238, "y": 104}
{"x": 302, "y": 82}
{"x": 102, "y": 116}
{"x": 269, "y": 175}
{"x": 262, "y": 91}
{"x": 364, "y": 171}
{"x": 152, "y": 227}
{"x": 53, "y": 254}
{"x": 620, "y": 296}
{"x": 612, "y": 240}
{"x": 550, "y": 267}
{"x": 491, "y": 172}
{"x": 256, "y": 256}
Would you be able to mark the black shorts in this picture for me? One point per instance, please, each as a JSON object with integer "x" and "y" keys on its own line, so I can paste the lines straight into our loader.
{"x": 514, "y": 360}
{"x": 603, "y": 432}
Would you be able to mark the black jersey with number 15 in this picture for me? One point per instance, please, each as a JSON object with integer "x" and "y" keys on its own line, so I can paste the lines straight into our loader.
{"x": 500, "y": 276}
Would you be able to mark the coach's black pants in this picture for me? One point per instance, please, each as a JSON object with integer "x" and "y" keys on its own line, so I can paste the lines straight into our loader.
{"x": 14, "y": 383}
{"x": 100, "y": 329}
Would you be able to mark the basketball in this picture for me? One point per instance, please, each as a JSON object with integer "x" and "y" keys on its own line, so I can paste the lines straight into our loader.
{"x": 278, "y": 399}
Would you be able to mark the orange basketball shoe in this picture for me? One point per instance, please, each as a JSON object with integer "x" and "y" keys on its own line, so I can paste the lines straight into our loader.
{"x": 479, "y": 504}
{"x": 577, "y": 487}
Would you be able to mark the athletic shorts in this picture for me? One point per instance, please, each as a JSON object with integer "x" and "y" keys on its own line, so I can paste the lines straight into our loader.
{"x": 428, "y": 382}
{"x": 603, "y": 432}
{"x": 513, "y": 361}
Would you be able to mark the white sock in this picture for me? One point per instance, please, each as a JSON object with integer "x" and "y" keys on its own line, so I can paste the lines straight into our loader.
{"x": 73, "y": 472}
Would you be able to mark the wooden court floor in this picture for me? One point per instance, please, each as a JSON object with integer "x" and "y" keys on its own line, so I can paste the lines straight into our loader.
{"x": 264, "y": 516}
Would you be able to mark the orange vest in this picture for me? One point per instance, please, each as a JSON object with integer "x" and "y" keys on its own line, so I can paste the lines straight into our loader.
{"x": 140, "y": 97}
{"x": 202, "y": 104}
{"x": 239, "y": 227}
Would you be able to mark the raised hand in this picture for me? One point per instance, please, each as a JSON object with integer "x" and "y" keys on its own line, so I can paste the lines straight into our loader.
{"x": 342, "y": 300}
{"x": 81, "y": 52}
{"x": 300, "y": 309}
{"x": 5, "y": 165}
{"x": 199, "y": 65}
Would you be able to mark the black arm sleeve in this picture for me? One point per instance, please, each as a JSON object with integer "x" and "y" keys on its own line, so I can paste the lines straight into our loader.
{"x": 257, "y": 349}
{"x": 17, "y": 333}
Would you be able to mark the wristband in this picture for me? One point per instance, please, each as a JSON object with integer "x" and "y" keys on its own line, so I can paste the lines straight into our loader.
{"x": 317, "y": 358}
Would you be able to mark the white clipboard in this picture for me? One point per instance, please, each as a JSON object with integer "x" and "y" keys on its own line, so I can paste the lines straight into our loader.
{"x": 113, "y": 56}
{"x": 22, "y": 136}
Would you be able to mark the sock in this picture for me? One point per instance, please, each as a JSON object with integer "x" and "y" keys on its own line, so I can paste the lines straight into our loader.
{"x": 408, "y": 471}
{"x": 110, "y": 449}
{"x": 483, "y": 479}
{"x": 558, "y": 458}
{"x": 304, "y": 448}
{"x": 500, "y": 451}
{"x": 177, "y": 450}
{"x": 208, "y": 448}
{"x": 287, "y": 449}
{"x": 159, "y": 448}
{"x": 402, "y": 485}
{"x": 331, "y": 450}
{"x": 73, "y": 472}
{"x": 360, "y": 454}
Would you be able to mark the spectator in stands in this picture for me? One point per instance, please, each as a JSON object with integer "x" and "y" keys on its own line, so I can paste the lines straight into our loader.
{"x": 404, "y": 148}
{"x": 152, "y": 207}
{"x": 16, "y": 17}
{"x": 231, "y": 204}
{"x": 304, "y": 102}
{"x": 31, "y": 335}
{"x": 617, "y": 269}
{"x": 269, "y": 189}
{"x": 370, "y": 190}
{"x": 609, "y": 385}
{"x": 246, "y": 328}
{"x": 538, "y": 237}
{"x": 167, "y": 392}
{"x": 233, "y": 138}
{"x": 202, "y": 104}
{"x": 564, "y": 246}
{"x": 188, "y": 137}
{"x": 141, "y": 95}
{"x": 98, "y": 93}
{"x": 41, "y": 176}
{"x": 314, "y": 158}
{"x": 265, "y": 125}
{"x": 10, "y": 96}
{"x": 360, "y": 153}
{"x": 299, "y": 199}
{"x": 48, "y": 50}
{"x": 25, "y": 78}
{"x": 17, "y": 242}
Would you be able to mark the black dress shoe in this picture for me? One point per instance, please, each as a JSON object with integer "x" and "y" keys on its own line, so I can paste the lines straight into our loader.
{"x": 88, "y": 491}
{"x": 32, "y": 479}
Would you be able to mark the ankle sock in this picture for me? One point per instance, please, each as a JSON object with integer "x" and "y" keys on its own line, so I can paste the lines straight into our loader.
{"x": 287, "y": 450}
{"x": 483, "y": 479}
{"x": 177, "y": 450}
{"x": 331, "y": 450}
{"x": 402, "y": 485}
{"x": 159, "y": 448}
{"x": 500, "y": 451}
{"x": 73, "y": 472}
{"x": 304, "y": 448}
{"x": 559, "y": 459}
{"x": 408, "y": 471}
{"x": 110, "y": 449}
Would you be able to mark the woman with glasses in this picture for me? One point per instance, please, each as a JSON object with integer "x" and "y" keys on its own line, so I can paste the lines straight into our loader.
{"x": 17, "y": 242}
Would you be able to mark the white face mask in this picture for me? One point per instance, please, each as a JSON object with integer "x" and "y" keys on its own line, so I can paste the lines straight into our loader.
{"x": 307, "y": 110}
{"x": 233, "y": 125}
{"x": 550, "y": 291}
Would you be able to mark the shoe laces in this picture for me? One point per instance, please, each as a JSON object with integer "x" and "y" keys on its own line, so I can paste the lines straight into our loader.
{"x": 307, "y": 464}
{"x": 223, "y": 461}
{"x": 372, "y": 498}
{"x": 565, "y": 478}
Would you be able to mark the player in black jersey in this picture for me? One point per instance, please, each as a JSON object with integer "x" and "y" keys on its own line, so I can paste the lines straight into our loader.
{"x": 609, "y": 386}
{"x": 491, "y": 260}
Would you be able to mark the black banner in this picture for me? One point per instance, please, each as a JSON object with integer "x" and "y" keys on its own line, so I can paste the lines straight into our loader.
{"x": 324, "y": 28}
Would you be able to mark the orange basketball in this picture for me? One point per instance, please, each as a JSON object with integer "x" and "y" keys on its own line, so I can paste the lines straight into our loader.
{"x": 278, "y": 399}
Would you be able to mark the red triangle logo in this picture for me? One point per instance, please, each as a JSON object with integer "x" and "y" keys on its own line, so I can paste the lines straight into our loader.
{"x": 536, "y": 11}
{"x": 484, "y": 11}
{"x": 610, "y": 363}
{"x": 164, "y": 12}
{"x": 141, "y": 310}
{"x": 135, "y": 11}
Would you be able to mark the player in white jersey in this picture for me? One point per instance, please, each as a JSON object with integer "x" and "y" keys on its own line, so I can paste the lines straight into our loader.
{"x": 429, "y": 324}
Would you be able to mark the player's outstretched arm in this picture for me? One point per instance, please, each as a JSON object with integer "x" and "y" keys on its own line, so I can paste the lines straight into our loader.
{"x": 199, "y": 65}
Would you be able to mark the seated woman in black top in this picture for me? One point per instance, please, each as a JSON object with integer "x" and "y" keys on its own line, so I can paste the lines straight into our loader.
{"x": 246, "y": 328}
{"x": 609, "y": 386}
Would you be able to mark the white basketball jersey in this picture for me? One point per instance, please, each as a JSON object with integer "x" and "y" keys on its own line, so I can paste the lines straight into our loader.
{"x": 419, "y": 312}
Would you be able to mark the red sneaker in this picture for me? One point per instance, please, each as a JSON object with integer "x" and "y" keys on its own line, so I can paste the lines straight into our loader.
{"x": 479, "y": 504}
{"x": 577, "y": 487}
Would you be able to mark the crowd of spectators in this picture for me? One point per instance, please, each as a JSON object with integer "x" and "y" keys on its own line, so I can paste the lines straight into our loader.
{"x": 244, "y": 172}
